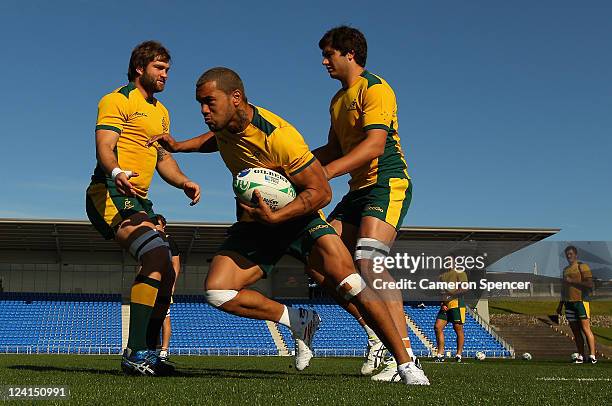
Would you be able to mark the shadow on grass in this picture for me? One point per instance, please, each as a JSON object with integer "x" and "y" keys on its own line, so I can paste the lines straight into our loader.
{"x": 188, "y": 372}
{"x": 46, "y": 368}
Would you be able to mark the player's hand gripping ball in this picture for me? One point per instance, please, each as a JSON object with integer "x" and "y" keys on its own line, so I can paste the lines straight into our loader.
{"x": 274, "y": 188}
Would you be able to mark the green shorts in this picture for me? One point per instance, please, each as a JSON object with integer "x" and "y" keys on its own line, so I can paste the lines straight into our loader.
{"x": 107, "y": 208}
{"x": 575, "y": 311}
{"x": 265, "y": 245}
{"x": 388, "y": 201}
{"x": 455, "y": 315}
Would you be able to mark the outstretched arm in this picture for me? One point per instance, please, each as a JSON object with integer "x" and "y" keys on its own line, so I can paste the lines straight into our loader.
{"x": 169, "y": 170}
{"x": 202, "y": 143}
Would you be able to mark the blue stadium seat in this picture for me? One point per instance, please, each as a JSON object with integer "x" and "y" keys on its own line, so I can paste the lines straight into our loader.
{"x": 197, "y": 326}
{"x": 60, "y": 323}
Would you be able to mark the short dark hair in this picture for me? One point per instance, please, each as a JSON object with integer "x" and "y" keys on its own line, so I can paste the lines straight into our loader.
{"x": 161, "y": 220}
{"x": 144, "y": 54}
{"x": 226, "y": 79}
{"x": 346, "y": 39}
{"x": 571, "y": 248}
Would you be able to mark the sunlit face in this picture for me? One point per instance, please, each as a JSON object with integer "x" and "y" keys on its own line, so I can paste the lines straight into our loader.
{"x": 571, "y": 256}
{"x": 335, "y": 63}
{"x": 217, "y": 107}
{"x": 153, "y": 77}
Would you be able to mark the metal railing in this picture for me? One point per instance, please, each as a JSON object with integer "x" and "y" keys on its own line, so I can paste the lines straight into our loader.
{"x": 489, "y": 330}
{"x": 224, "y": 351}
{"x": 199, "y": 351}
{"x": 59, "y": 349}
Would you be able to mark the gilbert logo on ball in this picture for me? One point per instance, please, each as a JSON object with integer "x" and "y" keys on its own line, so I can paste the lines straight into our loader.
{"x": 275, "y": 189}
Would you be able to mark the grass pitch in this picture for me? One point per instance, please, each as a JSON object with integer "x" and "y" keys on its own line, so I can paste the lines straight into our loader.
{"x": 271, "y": 380}
{"x": 542, "y": 307}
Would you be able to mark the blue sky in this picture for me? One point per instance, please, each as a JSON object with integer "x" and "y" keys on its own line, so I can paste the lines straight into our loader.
{"x": 504, "y": 107}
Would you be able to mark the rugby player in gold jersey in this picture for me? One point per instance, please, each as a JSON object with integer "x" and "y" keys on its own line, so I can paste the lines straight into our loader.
{"x": 250, "y": 136}
{"x": 116, "y": 199}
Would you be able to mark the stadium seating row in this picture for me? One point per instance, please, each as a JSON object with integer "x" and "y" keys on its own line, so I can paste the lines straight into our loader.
{"x": 82, "y": 323}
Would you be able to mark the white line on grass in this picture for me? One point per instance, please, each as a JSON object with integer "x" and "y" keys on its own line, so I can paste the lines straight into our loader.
{"x": 557, "y": 378}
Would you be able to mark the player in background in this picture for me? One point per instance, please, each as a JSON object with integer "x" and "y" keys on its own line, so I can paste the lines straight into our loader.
{"x": 116, "y": 199}
{"x": 249, "y": 136}
{"x": 363, "y": 141}
{"x": 576, "y": 285}
{"x": 166, "y": 332}
{"x": 452, "y": 309}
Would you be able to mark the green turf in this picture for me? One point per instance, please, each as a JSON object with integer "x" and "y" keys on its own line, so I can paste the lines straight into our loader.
{"x": 541, "y": 307}
{"x": 270, "y": 380}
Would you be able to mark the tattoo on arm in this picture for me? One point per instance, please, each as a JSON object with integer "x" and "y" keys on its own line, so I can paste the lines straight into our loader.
{"x": 305, "y": 198}
{"x": 161, "y": 153}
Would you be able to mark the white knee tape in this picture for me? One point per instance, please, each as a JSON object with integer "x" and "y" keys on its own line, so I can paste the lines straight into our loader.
{"x": 351, "y": 286}
{"x": 217, "y": 298}
{"x": 370, "y": 248}
{"x": 145, "y": 243}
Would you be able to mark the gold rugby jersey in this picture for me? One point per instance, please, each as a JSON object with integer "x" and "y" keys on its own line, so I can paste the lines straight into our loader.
{"x": 368, "y": 104}
{"x": 456, "y": 277}
{"x": 267, "y": 142}
{"x": 135, "y": 119}
{"x": 577, "y": 272}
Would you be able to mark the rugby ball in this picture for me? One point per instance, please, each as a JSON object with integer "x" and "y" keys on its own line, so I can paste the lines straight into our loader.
{"x": 527, "y": 356}
{"x": 275, "y": 189}
{"x": 480, "y": 356}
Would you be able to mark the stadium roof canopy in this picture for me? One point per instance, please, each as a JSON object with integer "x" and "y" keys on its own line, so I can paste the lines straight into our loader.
{"x": 204, "y": 238}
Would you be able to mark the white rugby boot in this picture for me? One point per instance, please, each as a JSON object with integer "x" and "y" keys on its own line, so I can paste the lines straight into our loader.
{"x": 412, "y": 373}
{"x": 389, "y": 372}
{"x": 374, "y": 357}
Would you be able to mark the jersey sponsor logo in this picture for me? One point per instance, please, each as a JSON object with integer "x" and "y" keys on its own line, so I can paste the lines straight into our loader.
{"x": 164, "y": 124}
{"x": 319, "y": 227}
{"x": 138, "y": 114}
{"x": 353, "y": 105}
{"x": 375, "y": 208}
{"x": 128, "y": 204}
